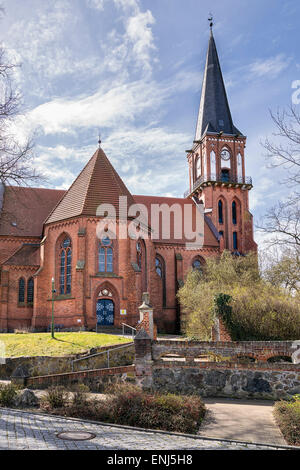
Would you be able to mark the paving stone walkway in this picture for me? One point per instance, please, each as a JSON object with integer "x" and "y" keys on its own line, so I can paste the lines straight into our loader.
{"x": 25, "y": 430}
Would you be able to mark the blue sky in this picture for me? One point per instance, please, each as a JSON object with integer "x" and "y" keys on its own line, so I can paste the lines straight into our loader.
{"x": 133, "y": 69}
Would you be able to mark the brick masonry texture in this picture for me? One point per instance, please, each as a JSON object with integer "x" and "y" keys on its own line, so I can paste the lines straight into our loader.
{"x": 173, "y": 366}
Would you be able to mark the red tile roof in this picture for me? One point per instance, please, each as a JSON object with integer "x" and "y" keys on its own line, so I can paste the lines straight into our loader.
{"x": 25, "y": 210}
{"x": 98, "y": 183}
{"x": 27, "y": 255}
{"x": 210, "y": 232}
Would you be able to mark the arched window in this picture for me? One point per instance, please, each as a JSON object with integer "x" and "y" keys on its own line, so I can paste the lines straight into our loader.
{"x": 65, "y": 278}
{"x": 234, "y": 219}
{"x": 30, "y": 291}
{"x": 141, "y": 261}
{"x": 161, "y": 271}
{"x": 106, "y": 261}
{"x": 235, "y": 241}
{"x": 198, "y": 264}
{"x": 220, "y": 211}
{"x": 239, "y": 168}
{"x": 21, "y": 291}
{"x": 213, "y": 166}
{"x": 198, "y": 167}
{"x": 204, "y": 166}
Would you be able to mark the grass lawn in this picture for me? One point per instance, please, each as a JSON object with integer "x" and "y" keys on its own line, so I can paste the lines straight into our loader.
{"x": 287, "y": 415}
{"x": 41, "y": 344}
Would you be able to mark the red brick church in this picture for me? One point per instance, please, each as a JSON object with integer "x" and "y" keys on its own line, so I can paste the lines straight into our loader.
{"x": 47, "y": 234}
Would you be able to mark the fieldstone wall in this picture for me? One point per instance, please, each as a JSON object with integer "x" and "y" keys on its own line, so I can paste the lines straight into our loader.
{"x": 224, "y": 380}
{"x": 177, "y": 366}
{"x": 44, "y": 365}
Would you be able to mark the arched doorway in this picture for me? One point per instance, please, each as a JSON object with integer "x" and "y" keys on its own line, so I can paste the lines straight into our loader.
{"x": 105, "y": 311}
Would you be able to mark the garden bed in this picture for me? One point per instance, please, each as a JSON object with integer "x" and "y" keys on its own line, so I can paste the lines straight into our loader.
{"x": 287, "y": 415}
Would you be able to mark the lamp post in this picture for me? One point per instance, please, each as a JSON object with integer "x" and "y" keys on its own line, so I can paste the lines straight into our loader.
{"x": 52, "y": 323}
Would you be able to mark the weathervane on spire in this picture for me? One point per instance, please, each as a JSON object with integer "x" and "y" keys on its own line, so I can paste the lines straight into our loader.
{"x": 211, "y": 21}
{"x": 99, "y": 140}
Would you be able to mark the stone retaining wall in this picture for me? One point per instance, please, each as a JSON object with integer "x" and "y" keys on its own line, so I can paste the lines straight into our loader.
{"x": 44, "y": 365}
{"x": 177, "y": 366}
{"x": 228, "y": 380}
{"x": 95, "y": 379}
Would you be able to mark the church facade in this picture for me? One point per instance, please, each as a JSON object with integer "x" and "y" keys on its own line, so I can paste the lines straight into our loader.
{"x": 51, "y": 237}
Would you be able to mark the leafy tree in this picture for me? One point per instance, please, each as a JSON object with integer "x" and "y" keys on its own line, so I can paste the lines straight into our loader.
{"x": 253, "y": 309}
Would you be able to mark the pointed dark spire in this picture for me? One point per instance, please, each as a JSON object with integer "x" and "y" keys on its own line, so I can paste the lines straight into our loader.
{"x": 214, "y": 113}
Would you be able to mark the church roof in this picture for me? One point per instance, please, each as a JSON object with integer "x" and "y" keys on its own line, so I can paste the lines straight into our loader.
{"x": 24, "y": 210}
{"x": 27, "y": 255}
{"x": 98, "y": 183}
{"x": 211, "y": 235}
{"x": 214, "y": 112}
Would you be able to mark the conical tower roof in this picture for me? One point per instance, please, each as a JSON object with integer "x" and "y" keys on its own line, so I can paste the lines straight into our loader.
{"x": 98, "y": 183}
{"x": 214, "y": 112}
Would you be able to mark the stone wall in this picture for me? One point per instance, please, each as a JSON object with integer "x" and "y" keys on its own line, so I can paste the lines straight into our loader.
{"x": 96, "y": 379}
{"x": 179, "y": 367}
{"x": 229, "y": 380}
{"x": 259, "y": 350}
{"x": 41, "y": 366}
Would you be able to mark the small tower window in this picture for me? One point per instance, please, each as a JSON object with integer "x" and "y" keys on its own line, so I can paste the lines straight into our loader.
{"x": 220, "y": 210}
{"x": 234, "y": 213}
{"x": 225, "y": 175}
{"x": 235, "y": 241}
{"x": 198, "y": 167}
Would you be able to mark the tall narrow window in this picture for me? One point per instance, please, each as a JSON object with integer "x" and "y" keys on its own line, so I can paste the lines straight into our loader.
{"x": 220, "y": 209}
{"x": 139, "y": 254}
{"x": 239, "y": 168}
{"x": 65, "y": 278}
{"x": 30, "y": 291}
{"x": 235, "y": 241}
{"x": 213, "y": 166}
{"x": 141, "y": 260}
{"x": 21, "y": 291}
{"x": 234, "y": 213}
{"x": 105, "y": 256}
{"x": 204, "y": 166}
{"x": 198, "y": 167}
{"x": 161, "y": 271}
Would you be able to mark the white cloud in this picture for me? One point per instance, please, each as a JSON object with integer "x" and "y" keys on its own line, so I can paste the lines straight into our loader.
{"x": 271, "y": 67}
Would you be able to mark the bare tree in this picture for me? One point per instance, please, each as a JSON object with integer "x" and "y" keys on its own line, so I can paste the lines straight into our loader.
{"x": 16, "y": 158}
{"x": 282, "y": 221}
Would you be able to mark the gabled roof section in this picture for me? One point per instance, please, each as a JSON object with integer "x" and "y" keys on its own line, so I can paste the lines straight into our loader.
{"x": 98, "y": 183}
{"x": 27, "y": 255}
{"x": 25, "y": 209}
{"x": 214, "y": 112}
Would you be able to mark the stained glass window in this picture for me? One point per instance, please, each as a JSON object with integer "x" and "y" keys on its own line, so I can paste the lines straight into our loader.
{"x": 65, "y": 276}
{"x": 235, "y": 241}
{"x": 105, "y": 256}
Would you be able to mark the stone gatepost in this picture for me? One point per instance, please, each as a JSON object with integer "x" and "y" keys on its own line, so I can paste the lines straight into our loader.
{"x": 146, "y": 317}
{"x": 143, "y": 359}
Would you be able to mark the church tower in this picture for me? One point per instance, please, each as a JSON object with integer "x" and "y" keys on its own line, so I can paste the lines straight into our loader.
{"x": 217, "y": 162}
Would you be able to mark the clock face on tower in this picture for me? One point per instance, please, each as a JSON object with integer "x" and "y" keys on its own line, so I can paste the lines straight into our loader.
{"x": 225, "y": 155}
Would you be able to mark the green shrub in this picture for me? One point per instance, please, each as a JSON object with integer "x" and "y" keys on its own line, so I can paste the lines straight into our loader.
{"x": 287, "y": 415}
{"x": 169, "y": 412}
{"x": 8, "y": 395}
{"x": 251, "y": 308}
{"x": 129, "y": 405}
{"x": 55, "y": 397}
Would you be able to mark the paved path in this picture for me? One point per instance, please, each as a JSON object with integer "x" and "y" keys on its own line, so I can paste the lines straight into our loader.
{"x": 24, "y": 430}
{"x": 243, "y": 420}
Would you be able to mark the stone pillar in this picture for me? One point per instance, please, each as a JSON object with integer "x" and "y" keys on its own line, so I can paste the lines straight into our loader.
{"x": 143, "y": 359}
{"x": 219, "y": 331}
{"x": 146, "y": 317}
